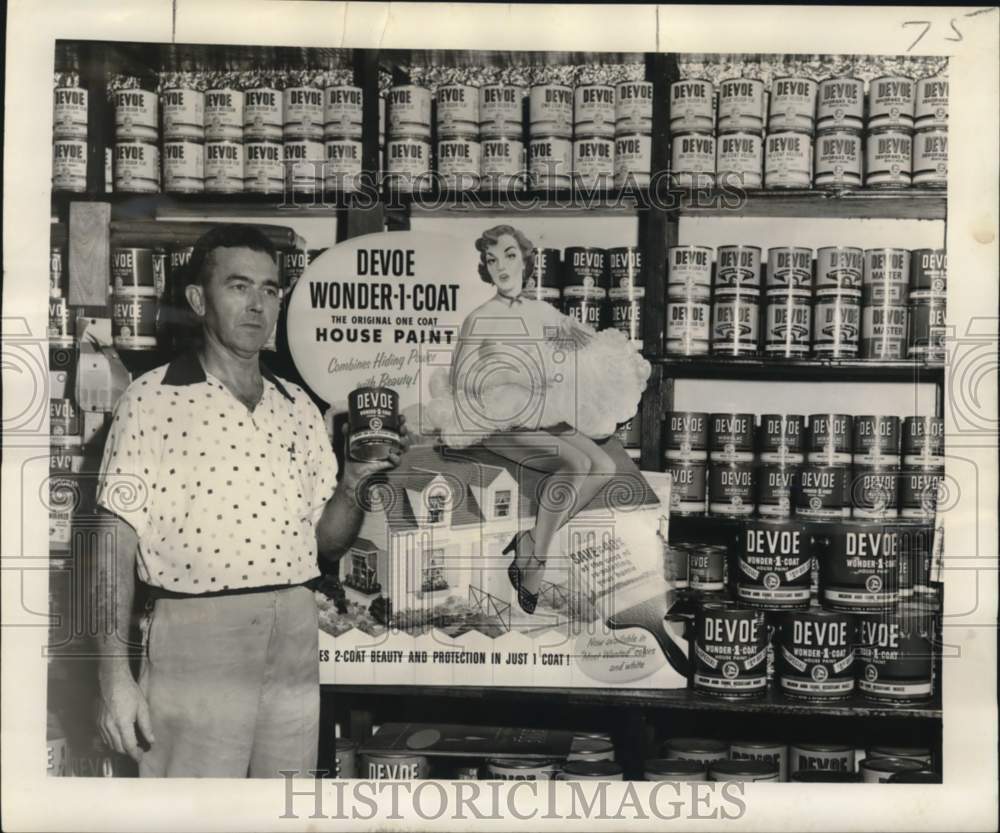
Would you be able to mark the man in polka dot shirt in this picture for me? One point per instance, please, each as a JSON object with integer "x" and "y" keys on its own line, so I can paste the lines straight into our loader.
{"x": 223, "y": 486}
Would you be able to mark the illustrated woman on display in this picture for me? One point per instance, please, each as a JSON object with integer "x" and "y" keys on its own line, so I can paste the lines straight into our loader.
{"x": 536, "y": 387}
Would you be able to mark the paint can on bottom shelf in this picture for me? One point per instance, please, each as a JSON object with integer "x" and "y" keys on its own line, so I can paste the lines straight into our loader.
{"x": 815, "y": 654}
{"x": 895, "y": 655}
{"x": 730, "y": 651}
{"x": 773, "y": 753}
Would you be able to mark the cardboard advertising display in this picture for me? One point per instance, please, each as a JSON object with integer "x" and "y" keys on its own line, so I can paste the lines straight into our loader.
{"x": 513, "y": 423}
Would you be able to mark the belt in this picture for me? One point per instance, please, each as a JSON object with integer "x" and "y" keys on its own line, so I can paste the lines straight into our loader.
{"x": 153, "y": 593}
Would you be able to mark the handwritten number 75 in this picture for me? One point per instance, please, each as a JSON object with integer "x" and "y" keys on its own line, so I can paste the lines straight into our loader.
{"x": 926, "y": 24}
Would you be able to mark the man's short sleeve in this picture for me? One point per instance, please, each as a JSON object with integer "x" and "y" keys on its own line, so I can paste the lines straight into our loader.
{"x": 321, "y": 462}
{"x": 130, "y": 466}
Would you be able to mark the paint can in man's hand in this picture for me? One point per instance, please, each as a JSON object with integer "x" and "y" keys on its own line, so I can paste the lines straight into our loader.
{"x": 374, "y": 418}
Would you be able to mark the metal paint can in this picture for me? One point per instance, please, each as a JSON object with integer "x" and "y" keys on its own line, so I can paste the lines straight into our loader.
{"x": 508, "y": 769}
{"x": 928, "y": 327}
{"x": 629, "y": 433}
{"x": 590, "y": 771}
{"x": 545, "y": 281}
{"x": 823, "y": 493}
{"x": 343, "y": 164}
{"x": 688, "y": 326}
{"x": 692, "y": 106}
{"x": 887, "y": 276}
{"x": 788, "y": 159}
{"x": 689, "y": 271}
{"x": 502, "y": 163}
{"x": 772, "y": 753}
{"x": 688, "y": 481}
{"x": 137, "y": 167}
{"x": 888, "y": 159}
{"x": 263, "y": 168}
{"x": 594, "y": 110}
{"x": 793, "y": 104}
{"x": 916, "y": 776}
{"x": 634, "y": 107}
{"x": 776, "y": 488}
{"x": 137, "y": 115}
{"x": 741, "y": 105}
{"x": 593, "y": 161}
{"x": 293, "y": 264}
{"x": 737, "y": 266}
{"x": 408, "y": 162}
{"x": 839, "y": 268}
{"x": 930, "y": 158}
{"x": 931, "y": 107}
{"x": 704, "y": 751}
{"x": 920, "y": 489}
{"x": 895, "y": 655}
{"x": 830, "y": 439}
{"x": 923, "y": 441}
{"x": 915, "y": 753}
{"x": 224, "y": 167}
{"x": 62, "y": 320}
{"x": 69, "y": 165}
{"x": 626, "y": 311}
{"x": 183, "y": 114}
{"x": 815, "y": 654}
{"x": 875, "y": 492}
{"x": 133, "y": 322}
{"x": 746, "y": 770}
{"x": 500, "y": 110}
{"x": 674, "y": 769}
{"x": 183, "y": 167}
{"x": 740, "y": 159}
{"x": 64, "y": 459}
{"x": 224, "y": 115}
{"x": 591, "y": 749}
{"x": 929, "y": 270}
{"x": 343, "y": 112}
{"x": 692, "y": 160}
{"x": 373, "y": 413}
{"x": 132, "y": 271}
{"x": 731, "y": 488}
{"x": 633, "y": 160}
{"x": 303, "y": 159}
{"x": 838, "y": 163}
{"x": 736, "y": 322}
{"x": 789, "y": 324}
{"x": 891, "y": 101}
{"x": 773, "y": 565}
{"x": 789, "y": 268}
{"x": 732, "y": 437}
{"x": 782, "y": 438}
{"x": 263, "y": 114}
{"x": 64, "y": 422}
{"x": 859, "y": 571}
{"x": 409, "y": 112}
{"x": 821, "y": 757}
{"x": 395, "y": 766}
{"x": 884, "y": 330}
{"x": 550, "y": 110}
{"x": 836, "y": 325}
{"x": 876, "y": 440}
{"x": 676, "y": 565}
{"x": 686, "y": 436}
{"x": 459, "y": 159}
{"x": 345, "y": 763}
{"x": 586, "y": 267}
{"x": 625, "y": 267}
{"x": 707, "y": 568}
{"x": 550, "y": 162}
{"x": 880, "y": 770}
{"x": 840, "y": 102}
{"x": 69, "y": 113}
{"x": 730, "y": 652}
{"x": 457, "y": 110}
{"x": 585, "y": 304}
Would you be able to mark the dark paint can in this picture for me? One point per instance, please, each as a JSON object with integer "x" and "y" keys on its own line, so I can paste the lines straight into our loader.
{"x": 815, "y": 654}
{"x": 773, "y": 565}
{"x": 374, "y": 419}
{"x": 730, "y": 651}
{"x": 859, "y": 570}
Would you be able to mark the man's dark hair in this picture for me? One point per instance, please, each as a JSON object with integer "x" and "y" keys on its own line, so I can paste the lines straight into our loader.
{"x": 227, "y": 236}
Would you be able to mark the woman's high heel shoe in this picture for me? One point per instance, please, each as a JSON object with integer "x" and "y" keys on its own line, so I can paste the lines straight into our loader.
{"x": 525, "y": 598}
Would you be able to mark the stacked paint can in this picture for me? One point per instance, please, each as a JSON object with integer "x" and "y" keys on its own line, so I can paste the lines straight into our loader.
{"x": 459, "y": 150}
{"x": 782, "y": 447}
{"x": 836, "y": 315}
{"x": 928, "y": 312}
{"x": 692, "y": 134}
{"x": 922, "y": 470}
{"x": 139, "y": 281}
{"x": 501, "y": 128}
{"x": 302, "y": 132}
{"x": 789, "y": 302}
{"x": 544, "y": 283}
{"x": 627, "y": 290}
{"x": 633, "y": 134}
{"x": 137, "y": 134}
{"x": 876, "y": 459}
{"x": 183, "y": 120}
{"x": 791, "y": 124}
{"x": 225, "y": 154}
{"x": 585, "y": 284}
{"x": 840, "y": 110}
{"x": 930, "y": 137}
{"x": 685, "y": 443}
{"x": 732, "y": 464}
{"x": 550, "y": 146}
{"x": 742, "y": 108}
{"x": 263, "y": 136}
{"x": 885, "y": 295}
{"x": 824, "y": 483}
{"x": 343, "y": 108}
{"x": 736, "y": 301}
{"x": 688, "y": 307}
{"x": 408, "y": 150}
{"x": 594, "y": 119}
{"x": 889, "y": 147}
{"x": 69, "y": 123}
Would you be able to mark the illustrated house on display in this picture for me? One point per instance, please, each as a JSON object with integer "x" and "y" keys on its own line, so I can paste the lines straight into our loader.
{"x": 436, "y": 528}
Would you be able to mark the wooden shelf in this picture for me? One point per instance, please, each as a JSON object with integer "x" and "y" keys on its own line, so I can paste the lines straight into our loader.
{"x": 677, "y": 699}
{"x": 887, "y": 204}
{"x": 806, "y": 370}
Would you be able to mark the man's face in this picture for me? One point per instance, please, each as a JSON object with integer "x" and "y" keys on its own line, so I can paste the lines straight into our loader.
{"x": 238, "y": 304}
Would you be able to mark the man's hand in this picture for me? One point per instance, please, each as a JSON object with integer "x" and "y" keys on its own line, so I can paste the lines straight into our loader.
{"x": 122, "y": 707}
{"x": 355, "y": 471}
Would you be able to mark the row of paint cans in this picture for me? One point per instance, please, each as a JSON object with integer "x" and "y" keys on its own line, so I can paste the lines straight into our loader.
{"x": 70, "y": 112}
{"x": 801, "y": 104}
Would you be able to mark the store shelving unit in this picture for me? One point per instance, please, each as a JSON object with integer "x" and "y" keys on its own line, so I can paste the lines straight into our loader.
{"x": 634, "y": 711}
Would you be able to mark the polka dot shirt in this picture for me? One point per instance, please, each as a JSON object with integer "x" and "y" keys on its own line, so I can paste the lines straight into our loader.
{"x": 221, "y": 498}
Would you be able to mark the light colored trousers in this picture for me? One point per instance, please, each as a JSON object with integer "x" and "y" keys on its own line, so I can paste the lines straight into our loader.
{"x": 232, "y": 684}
